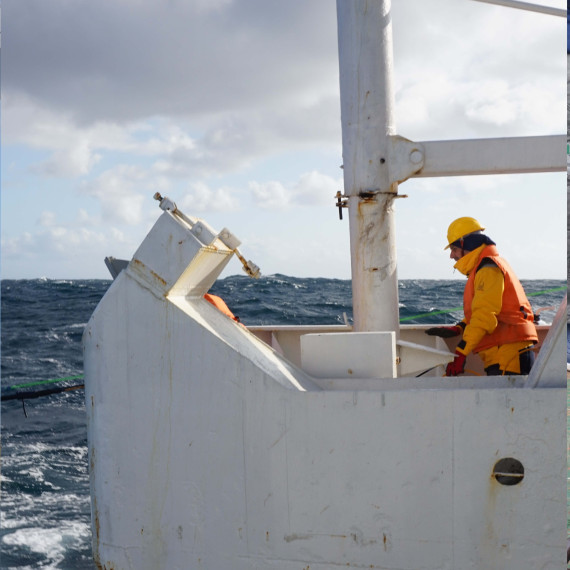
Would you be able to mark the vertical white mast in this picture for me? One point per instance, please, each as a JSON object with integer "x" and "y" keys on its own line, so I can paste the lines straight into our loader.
{"x": 367, "y": 102}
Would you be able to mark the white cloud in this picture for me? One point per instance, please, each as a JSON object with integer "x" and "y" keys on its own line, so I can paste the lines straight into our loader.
{"x": 54, "y": 239}
{"x": 270, "y": 195}
{"x": 121, "y": 193}
{"x": 181, "y": 58}
{"x": 200, "y": 198}
{"x": 312, "y": 188}
{"x": 46, "y": 219}
{"x": 76, "y": 160}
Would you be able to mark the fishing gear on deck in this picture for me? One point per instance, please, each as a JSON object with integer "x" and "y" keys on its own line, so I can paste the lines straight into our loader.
{"x": 30, "y": 394}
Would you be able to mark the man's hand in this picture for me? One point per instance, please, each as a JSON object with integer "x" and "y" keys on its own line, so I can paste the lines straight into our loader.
{"x": 457, "y": 366}
{"x": 445, "y": 332}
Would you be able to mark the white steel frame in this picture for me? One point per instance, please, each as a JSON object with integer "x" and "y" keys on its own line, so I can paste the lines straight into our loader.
{"x": 376, "y": 159}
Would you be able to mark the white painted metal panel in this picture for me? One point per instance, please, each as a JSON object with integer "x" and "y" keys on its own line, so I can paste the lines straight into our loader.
{"x": 174, "y": 259}
{"x": 349, "y": 355}
{"x": 548, "y": 370}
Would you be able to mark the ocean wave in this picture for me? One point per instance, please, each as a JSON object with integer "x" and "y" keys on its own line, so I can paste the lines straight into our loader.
{"x": 48, "y": 547}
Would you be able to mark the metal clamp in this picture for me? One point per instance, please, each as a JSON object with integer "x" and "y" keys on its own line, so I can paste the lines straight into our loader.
{"x": 165, "y": 203}
{"x": 341, "y": 202}
{"x": 248, "y": 266}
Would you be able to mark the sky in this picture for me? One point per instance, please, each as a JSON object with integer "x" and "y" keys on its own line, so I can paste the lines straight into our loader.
{"x": 231, "y": 108}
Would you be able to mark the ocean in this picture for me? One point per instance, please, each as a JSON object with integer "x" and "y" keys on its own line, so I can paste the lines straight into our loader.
{"x": 44, "y": 477}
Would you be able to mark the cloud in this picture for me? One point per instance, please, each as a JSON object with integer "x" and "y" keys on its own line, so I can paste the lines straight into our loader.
{"x": 200, "y": 198}
{"x": 58, "y": 239}
{"x": 46, "y": 219}
{"x": 74, "y": 161}
{"x": 181, "y": 58}
{"x": 63, "y": 250}
{"x": 121, "y": 193}
{"x": 270, "y": 195}
{"x": 487, "y": 71}
{"x": 312, "y": 189}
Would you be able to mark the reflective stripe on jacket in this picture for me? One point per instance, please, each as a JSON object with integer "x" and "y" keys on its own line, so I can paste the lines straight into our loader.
{"x": 515, "y": 321}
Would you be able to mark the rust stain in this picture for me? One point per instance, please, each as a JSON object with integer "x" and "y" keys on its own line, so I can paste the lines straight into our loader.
{"x": 96, "y": 558}
{"x": 97, "y": 525}
{"x": 489, "y": 535}
{"x": 158, "y": 277}
{"x": 141, "y": 266}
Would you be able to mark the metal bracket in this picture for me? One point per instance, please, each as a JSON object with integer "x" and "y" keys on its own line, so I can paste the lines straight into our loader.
{"x": 406, "y": 158}
{"x": 248, "y": 266}
{"x": 165, "y": 203}
{"x": 233, "y": 242}
{"x": 341, "y": 202}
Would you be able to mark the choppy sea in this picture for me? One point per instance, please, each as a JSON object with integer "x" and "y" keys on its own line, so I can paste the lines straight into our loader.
{"x": 44, "y": 478}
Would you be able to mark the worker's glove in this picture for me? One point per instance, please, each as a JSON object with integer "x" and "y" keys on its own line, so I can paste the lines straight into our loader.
{"x": 445, "y": 332}
{"x": 457, "y": 366}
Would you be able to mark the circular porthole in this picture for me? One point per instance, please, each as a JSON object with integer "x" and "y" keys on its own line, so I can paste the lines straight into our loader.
{"x": 508, "y": 471}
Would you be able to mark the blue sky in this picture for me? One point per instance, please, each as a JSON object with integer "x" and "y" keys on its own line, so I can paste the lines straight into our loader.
{"x": 231, "y": 108}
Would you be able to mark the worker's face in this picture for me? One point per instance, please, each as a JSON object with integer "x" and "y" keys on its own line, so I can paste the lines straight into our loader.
{"x": 456, "y": 253}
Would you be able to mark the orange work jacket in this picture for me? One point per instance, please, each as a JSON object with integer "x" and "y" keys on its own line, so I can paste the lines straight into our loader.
{"x": 220, "y": 304}
{"x": 515, "y": 321}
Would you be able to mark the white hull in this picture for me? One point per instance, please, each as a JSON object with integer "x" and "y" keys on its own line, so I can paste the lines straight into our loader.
{"x": 208, "y": 449}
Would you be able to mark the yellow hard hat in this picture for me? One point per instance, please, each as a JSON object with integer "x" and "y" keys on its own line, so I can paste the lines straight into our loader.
{"x": 460, "y": 228}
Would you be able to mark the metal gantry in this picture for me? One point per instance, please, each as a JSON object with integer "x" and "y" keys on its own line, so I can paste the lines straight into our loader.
{"x": 376, "y": 159}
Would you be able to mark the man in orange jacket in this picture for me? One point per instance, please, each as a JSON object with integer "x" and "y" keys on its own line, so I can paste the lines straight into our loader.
{"x": 498, "y": 323}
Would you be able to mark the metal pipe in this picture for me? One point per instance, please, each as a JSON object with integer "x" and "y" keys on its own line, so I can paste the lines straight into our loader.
{"x": 493, "y": 156}
{"x": 367, "y": 103}
{"x": 527, "y": 6}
